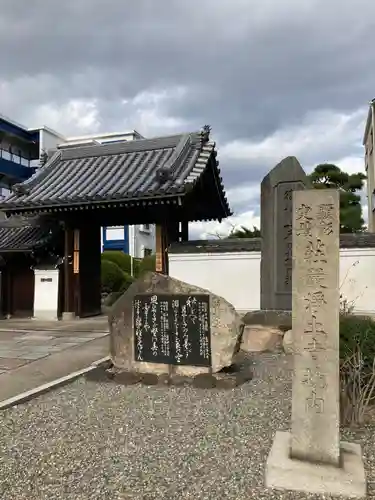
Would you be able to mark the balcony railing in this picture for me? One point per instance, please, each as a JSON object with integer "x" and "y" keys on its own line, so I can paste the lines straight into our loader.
{"x": 20, "y": 160}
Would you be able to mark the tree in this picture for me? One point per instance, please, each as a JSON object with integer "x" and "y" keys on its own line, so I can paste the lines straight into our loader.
{"x": 244, "y": 232}
{"x": 329, "y": 176}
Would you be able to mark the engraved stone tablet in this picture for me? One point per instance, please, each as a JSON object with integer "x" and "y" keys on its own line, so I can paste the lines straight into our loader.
{"x": 315, "y": 400}
{"x": 172, "y": 329}
{"x": 165, "y": 326}
{"x": 276, "y": 227}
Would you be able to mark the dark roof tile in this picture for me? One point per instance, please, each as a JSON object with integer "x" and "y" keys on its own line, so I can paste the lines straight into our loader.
{"x": 23, "y": 235}
{"x": 217, "y": 246}
{"x": 139, "y": 169}
{"x": 357, "y": 240}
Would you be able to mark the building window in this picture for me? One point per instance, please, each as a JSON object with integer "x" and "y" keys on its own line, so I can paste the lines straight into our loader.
{"x": 147, "y": 252}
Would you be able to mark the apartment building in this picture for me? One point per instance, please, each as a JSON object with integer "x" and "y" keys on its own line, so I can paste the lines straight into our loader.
{"x": 21, "y": 150}
{"x": 368, "y": 142}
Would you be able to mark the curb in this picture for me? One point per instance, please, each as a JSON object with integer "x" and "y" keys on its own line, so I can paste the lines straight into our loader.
{"x": 23, "y": 397}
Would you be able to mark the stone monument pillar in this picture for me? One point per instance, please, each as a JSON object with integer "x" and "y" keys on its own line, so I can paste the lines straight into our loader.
{"x": 316, "y": 302}
{"x": 311, "y": 458}
{"x": 276, "y": 228}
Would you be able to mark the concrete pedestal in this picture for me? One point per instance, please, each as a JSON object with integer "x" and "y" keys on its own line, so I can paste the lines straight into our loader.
{"x": 282, "y": 472}
{"x": 68, "y": 316}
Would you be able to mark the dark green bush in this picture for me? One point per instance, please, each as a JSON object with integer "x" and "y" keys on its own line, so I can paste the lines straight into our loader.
{"x": 136, "y": 263}
{"x": 357, "y": 331}
{"x": 147, "y": 264}
{"x": 112, "y": 276}
{"x": 128, "y": 280}
{"x": 357, "y": 353}
{"x": 120, "y": 258}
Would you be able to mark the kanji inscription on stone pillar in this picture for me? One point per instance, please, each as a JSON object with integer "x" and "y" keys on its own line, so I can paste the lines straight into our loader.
{"x": 315, "y": 400}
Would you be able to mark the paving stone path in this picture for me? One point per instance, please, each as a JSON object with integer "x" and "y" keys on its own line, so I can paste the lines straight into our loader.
{"x": 31, "y": 356}
{"x": 24, "y": 348}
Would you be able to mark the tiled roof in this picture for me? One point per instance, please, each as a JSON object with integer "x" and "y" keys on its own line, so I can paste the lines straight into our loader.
{"x": 119, "y": 174}
{"x": 23, "y": 235}
{"x": 217, "y": 246}
{"x": 356, "y": 240}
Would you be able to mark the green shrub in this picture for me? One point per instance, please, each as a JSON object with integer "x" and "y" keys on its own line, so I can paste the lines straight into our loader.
{"x": 128, "y": 280}
{"x": 147, "y": 264}
{"x": 357, "y": 331}
{"x": 357, "y": 368}
{"x": 120, "y": 258}
{"x": 112, "y": 276}
{"x": 136, "y": 264}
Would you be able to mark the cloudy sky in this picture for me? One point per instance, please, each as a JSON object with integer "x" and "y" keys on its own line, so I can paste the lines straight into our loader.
{"x": 273, "y": 78}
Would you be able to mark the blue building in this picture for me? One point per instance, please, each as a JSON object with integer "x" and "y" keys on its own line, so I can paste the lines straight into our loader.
{"x": 137, "y": 241}
{"x": 115, "y": 238}
{"x": 20, "y": 150}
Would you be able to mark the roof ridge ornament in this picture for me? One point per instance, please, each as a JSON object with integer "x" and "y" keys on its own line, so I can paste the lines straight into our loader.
{"x": 205, "y": 133}
{"x": 165, "y": 172}
{"x": 20, "y": 189}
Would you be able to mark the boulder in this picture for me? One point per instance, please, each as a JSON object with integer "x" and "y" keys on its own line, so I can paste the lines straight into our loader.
{"x": 225, "y": 325}
{"x": 288, "y": 342}
{"x": 259, "y": 338}
{"x": 277, "y": 319}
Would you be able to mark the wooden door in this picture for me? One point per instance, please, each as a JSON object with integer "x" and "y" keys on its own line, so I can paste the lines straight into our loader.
{"x": 88, "y": 280}
{"x": 22, "y": 291}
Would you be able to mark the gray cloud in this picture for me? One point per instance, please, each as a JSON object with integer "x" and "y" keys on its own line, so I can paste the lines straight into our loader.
{"x": 247, "y": 68}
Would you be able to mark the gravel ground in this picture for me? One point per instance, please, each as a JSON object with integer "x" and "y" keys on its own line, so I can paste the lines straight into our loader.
{"x": 101, "y": 441}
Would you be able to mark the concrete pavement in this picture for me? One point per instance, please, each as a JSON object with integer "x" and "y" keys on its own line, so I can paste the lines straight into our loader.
{"x": 34, "y": 353}
{"x": 96, "y": 324}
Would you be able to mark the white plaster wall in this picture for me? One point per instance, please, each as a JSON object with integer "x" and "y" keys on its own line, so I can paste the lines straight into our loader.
{"x": 357, "y": 278}
{"x": 236, "y": 276}
{"x": 233, "y": 276}
{"x": 46, "y": 294}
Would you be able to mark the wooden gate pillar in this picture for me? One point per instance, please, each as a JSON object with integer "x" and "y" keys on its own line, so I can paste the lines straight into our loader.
{"x": 68, "y": 278}
{"x": 184, "y": 234}
{"x": 161, "y": 237}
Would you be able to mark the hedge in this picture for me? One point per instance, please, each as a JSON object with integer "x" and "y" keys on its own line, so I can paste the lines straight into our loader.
{"x": 147, "y": 264}
{"x": 123, "y": 261}
{"x": 112, "y": 276}
{"x": 128, "y": 280}
{"x": 357, "y": 331}
{"x": 120, "y": 258}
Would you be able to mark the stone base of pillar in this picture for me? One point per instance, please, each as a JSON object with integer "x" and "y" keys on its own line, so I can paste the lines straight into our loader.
{"x": 68, "y": 316}
{"x": 284, "y": 473}
{"x": 45, "y": 316}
